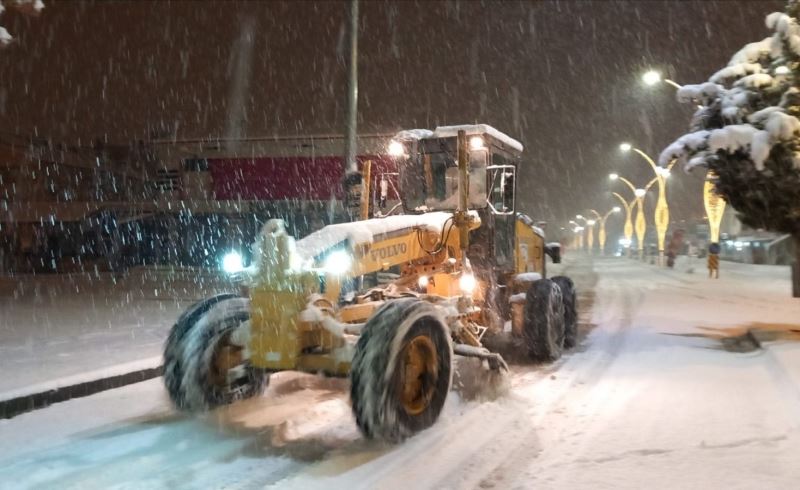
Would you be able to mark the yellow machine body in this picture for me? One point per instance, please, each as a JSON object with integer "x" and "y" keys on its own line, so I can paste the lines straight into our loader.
{"x": 529, "y": 248}
{"x": 282, "y": 337}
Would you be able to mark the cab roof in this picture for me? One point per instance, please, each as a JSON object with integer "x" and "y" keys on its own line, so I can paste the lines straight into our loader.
{"x": 469, "y": 129}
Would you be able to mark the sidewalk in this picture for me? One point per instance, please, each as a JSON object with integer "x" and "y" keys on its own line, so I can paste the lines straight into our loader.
{"x": 69, "y": 330}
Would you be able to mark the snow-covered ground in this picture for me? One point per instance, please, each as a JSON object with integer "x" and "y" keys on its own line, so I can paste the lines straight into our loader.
{"x": 667, "y": 390}
{"x": 56, "y": 330}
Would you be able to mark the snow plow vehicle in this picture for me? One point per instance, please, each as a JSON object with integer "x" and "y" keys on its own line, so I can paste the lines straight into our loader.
{"x": 389, "y": 301}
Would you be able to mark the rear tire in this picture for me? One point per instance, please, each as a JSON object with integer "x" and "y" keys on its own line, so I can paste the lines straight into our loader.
{"x": 543, "y": 327}
{"x": 198, "y": 344}
{"x": 570, "y": 298}
{"x": 401, "y": 371}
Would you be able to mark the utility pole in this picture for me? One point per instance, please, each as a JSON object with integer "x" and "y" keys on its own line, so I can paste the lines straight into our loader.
{"x": 352, "y": 183}
{"x": 352, "y": 93}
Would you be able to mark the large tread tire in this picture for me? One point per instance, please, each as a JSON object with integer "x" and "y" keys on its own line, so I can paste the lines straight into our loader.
{"x": 189, "y": 353}
{"x": 570, "y": 298}
{"x": 543, "y": 326}
{"x": 377, "y": 369}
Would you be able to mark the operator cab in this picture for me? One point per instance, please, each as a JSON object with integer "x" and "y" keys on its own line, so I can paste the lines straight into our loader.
{"x": 428, "y": 165}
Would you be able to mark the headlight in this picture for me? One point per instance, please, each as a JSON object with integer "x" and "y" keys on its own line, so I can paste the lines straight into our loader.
{"x": 396, "y": 149}
{"x": 422, "y": 282}
{"x": 467, "y": 283}
{"x": 232, "y": 263}
{"x": 338, "y": 262}
{"x": 476, "y": 143}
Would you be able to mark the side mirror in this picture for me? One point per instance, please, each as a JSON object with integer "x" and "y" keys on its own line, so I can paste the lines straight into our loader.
{"x": 553, "y": 250}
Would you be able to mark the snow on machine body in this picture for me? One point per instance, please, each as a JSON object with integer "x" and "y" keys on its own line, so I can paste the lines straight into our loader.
{"x": 387, "y": 301}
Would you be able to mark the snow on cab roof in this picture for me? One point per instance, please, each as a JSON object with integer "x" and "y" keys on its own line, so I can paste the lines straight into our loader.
{"x": 448, "y": 131}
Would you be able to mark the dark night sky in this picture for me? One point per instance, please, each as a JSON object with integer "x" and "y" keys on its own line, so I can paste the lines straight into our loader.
{"x": 115, "y": 69}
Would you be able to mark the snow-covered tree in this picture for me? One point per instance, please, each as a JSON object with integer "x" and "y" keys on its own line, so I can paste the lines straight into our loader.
{"x": 747, "y": 130}
{"x": 30, "y": 7}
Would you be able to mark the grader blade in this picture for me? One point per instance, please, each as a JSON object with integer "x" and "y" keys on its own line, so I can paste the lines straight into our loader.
{"x": 495, "y": 360}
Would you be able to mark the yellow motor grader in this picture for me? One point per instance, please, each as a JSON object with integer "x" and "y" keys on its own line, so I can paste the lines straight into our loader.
{"x": 389, "y": 301}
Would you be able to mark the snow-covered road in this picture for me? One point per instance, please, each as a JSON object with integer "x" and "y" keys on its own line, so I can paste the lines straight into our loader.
{"x": 667, "y": 390}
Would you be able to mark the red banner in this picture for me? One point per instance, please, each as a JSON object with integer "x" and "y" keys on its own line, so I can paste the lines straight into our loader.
{"x": 279, "y": 178}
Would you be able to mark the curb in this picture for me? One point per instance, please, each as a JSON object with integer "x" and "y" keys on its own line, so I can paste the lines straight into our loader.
{"x": 34, "y": 401}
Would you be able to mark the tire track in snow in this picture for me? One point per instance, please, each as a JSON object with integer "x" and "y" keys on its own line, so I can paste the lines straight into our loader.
{"x": 613, "y": 316}
{"x": 784, "y": 384}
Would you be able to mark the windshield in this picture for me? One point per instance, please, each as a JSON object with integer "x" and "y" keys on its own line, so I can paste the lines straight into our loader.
{"x": 430, "y": 181}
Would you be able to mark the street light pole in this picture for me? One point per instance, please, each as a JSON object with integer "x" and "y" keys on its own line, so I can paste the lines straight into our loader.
{"x": 652, "y": 77}
{"x": 661, "y": 217}
{"x": 352, "y": 92}
{"x": 589, "y": 224}
{"x": 641, "y": 224}
{"x": 628, "y": 230}
{"x": 601, "y": 232}
{"x": 577, "y": 243}
{"x": 353, "y": 180}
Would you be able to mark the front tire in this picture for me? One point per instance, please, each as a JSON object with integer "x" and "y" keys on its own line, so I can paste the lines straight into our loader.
{"x": 543, "y": 324}
{"x": 569, "y": 296}
{"x": 401, "y": 371}
{"x": 204, "y": 356}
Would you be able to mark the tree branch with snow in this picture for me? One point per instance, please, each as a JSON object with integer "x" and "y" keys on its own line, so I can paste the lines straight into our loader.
{"x": 27, "y": 7}
{"x": 747, "y": 130}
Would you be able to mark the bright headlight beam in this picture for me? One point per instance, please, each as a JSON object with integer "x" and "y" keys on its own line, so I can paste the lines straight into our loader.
{"x": 338, "y": 262}
{"x": 396, "y": 149}
{"x": 232, "y": 263}
{"x": 467, "y": 283}
{"x": 476, "y": 143}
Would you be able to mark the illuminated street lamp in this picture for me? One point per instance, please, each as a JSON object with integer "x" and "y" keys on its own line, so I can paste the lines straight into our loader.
{"x": 639, "y": 193}
{"x": 715, "y": 207}
{"x": 653, "y": 77}
{"x": 601, "y": 233}
{"x": 587, "y": 244}
{"x": 577, "y": 243}
{"x": 628, "y": 229}
{"x": 662, "y": 209}
{"x": 590, "y": 235}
